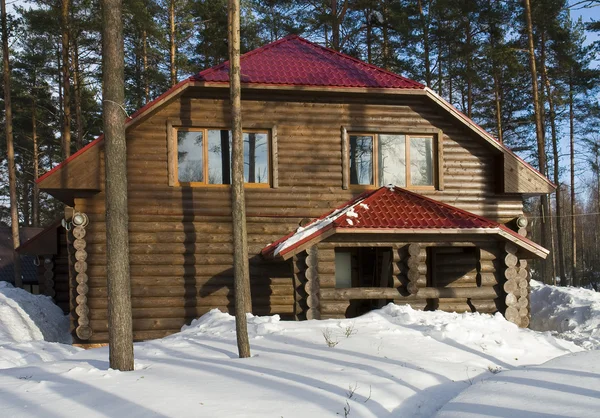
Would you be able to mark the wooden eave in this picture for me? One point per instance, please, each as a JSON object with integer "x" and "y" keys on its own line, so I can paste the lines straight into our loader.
{"x": 527, "y": 248}
{"x": 44, "y": 243}
{"x": 79, "y": 175}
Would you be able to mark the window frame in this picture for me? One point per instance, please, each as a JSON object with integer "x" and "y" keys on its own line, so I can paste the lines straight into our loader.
{"x": 173, "y": 131}
{"x": 435, "y": 135}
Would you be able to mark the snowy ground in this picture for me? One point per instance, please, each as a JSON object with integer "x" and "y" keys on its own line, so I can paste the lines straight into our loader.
{"x": 393, "y": 362}
{"x": 568, "y": 312}
{"x": 30, "y": 328}
{"x": 567, "y": 386}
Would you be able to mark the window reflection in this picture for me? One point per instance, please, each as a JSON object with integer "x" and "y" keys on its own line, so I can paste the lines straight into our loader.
{"x": 421, "y": 161}
{"x": 256, "y": 157}
{"x": 190, "y": 156}
{"x": 392, "y": 160}
{"x": 361, "y": 159}
{"x": 192, "y": 146}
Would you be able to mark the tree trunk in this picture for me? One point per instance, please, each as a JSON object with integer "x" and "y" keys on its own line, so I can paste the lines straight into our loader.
{"x": 468, "y": 36}
{"x": 386, "y": 36}
{"x": 120, "y": 332}
{"x": 36, "y": 160}
{"x": 172, "y": 43}
{"x": 425, "y": 29}
{"x": 77, "y": 82}
{"x": 66, "y": 122}
{"x": 145, "y": 69}
{"x": 559, "y": 236}
{"x": 369, "y": 35}
{"x": 541, "y": 146}
{"x": 243, "y": 301}
{"x": 8, "y": 128}
{"x": 572, "y": 144}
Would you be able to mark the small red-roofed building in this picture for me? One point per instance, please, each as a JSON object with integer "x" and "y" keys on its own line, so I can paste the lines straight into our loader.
{"x": 326, "y": 136}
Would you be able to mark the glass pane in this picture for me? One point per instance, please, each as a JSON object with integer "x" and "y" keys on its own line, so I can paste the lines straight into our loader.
{"x": 190, "y": 156}
{"x": 392, "y": 160}
{"x": 219, "y": 156}
{"x": 343, "y": 270}
{"x": 361, "y": 159}
{"x": 421, "y": 161}
{"x": 256, "y": 157}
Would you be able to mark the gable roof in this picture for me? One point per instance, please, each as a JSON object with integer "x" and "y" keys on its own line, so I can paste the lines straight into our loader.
{"x": 294, "y": 62}
{"x": 391, "y": 209}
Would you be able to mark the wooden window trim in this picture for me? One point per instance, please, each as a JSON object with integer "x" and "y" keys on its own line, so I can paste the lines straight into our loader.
{"x": 438, "y": 163}
{"x": 173, "y": 127}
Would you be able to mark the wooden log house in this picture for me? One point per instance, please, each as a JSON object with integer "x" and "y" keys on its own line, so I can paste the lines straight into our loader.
{"x": 322, "y": 131}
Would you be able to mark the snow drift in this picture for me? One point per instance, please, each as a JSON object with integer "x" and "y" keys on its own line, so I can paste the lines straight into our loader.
{"x": 29, "y": 325}
{"x": 568, "y": 312}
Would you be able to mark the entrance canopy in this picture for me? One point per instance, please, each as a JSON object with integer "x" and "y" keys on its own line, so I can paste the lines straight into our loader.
{"x": 393, "y": 210}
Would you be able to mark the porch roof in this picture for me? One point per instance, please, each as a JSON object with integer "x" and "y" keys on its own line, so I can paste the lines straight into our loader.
{"x": 391, "y": 209}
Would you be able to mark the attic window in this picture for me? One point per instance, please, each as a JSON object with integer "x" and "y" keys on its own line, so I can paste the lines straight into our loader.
{"x": 204, "y": 157}
{"x": 400, "y": 159}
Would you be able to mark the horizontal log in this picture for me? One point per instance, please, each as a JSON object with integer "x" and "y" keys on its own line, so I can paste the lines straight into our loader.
{"x": 424, "y": 293}
{"x": 182, "y": 301}
{"x": 197, "y": 291}
{"x": 472, "y": 293}
{"x": 175, "y": 312}
{"x": 487, "y": 307}
{"x": 334, "y": 308}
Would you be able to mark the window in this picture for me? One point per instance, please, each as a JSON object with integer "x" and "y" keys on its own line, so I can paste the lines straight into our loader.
{"x": 403, "y": 160}
{"x": 204, "y": 157}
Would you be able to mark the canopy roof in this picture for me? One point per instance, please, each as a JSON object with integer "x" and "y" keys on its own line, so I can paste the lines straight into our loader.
{"x": 391, "y": 209}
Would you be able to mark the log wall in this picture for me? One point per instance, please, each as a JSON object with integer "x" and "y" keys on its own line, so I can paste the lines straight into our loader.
{"x": 180, "y": 237}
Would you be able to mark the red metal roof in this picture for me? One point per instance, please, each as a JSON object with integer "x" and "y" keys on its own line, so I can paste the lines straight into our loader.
{"x": 296, "y": 61}
{"x": 388, "y": 208}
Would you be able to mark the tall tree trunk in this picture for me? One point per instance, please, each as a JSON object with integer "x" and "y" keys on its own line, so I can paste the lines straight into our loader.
{"x": 145, "y": 68}
{"x": 337, "y": 17}
{"x": 66, "y": 122}
{"x": 172, "y": 43}
{"x": 77, "y": 82}
{"x": 243, "y": 301}
{"x": 8, "y": 128}
{"x": 386, "y": 36}
{"x": 425, "y": 29}
{"x": 559, "y": 233}
{"x": 492, "y": 27}
{"x": 468, "y": 36}
{"x": 369, "y": 36}
{"x": 541, "y": 146}
{"x": 573, "y": 205}
{"x": 36, "y": 161}
{"x": 120, "y": 334}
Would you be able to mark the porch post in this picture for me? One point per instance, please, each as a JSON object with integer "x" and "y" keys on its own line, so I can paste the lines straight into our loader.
{"x": 312, "y": 285}
{"x": 516, "y": 287}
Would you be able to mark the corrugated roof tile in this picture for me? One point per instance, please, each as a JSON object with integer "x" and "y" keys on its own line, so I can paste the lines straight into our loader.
{"x": 296, "y": 61}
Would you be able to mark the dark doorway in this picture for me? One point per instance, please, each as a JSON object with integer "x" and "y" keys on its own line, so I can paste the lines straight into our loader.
{"x": 363, "y": 267}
